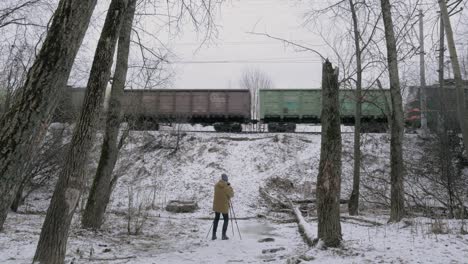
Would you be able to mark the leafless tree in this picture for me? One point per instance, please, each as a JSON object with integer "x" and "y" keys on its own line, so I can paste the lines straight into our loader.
{"x": 149, "y": 73}
{"x": 54, "y": 234}
{"x": 13, "y": 13}
{"x": 27, "y": 118}
{"x": 362, "y": 64}
{"x": 397, "y": 208}
{"x": 449, "y": 176}
{"x": 99, "y": 195}
{"x": 13, "y": 74}
{"x": 354, "y": 198}
{"x": 372, "y": 58}
{"x": 377, "y": 60}
{"x": 254, "y": 80}
{"x": 20, "y": 35}
{"x": 461, "y": 101}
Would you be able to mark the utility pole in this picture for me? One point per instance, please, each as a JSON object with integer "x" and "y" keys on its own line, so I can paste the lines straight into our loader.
{"x": 422, "y": 73}
{"x": 441, "y": 70}
{"x": 459, "y": 87}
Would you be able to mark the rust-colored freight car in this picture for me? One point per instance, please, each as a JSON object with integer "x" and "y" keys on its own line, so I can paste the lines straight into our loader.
{"x": 225, "y": 109}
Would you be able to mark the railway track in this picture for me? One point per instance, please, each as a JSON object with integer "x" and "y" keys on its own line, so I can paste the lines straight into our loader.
{"x": 246, "y": 132}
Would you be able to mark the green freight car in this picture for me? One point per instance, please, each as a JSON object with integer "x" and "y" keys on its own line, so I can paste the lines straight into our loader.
{"x": 282, "y": 109}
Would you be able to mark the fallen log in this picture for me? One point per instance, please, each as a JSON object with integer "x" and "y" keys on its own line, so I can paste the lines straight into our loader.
{"x": 305, "y": 232}
{"x": 307, "y": 235}
{"x": 303, "y": 226}
{"x": 109, "y": 259}
{"x": 370, "y": 222}
{"x": 308, "y": 201}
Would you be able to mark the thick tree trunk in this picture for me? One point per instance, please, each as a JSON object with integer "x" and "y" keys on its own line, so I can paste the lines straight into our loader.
{"x": 460, "y": 89}
{"x": 329, "y": 176}
{"x": 101, "y": 189}
{"x": 54, "y": 234}
{"x": 7, "y": 101}
{"x": 397, "y": 198}
{"x": 353, "y": 205}
{"x": 29, "y": 111}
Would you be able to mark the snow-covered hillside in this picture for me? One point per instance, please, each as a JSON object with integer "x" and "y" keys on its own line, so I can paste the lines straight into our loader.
{"x": 248, "y": 159}
{"x": 156, "y": 167}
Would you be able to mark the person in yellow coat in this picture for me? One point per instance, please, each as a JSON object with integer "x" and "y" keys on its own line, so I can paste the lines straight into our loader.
{"x": 223, "y": 193}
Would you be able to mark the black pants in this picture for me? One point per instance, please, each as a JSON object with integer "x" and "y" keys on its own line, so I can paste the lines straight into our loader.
{"x": 225, "y": 224}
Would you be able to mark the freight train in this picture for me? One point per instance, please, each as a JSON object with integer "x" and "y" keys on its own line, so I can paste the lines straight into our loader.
{"x": 228, "y": 109}
{"x": 282, "y": 109}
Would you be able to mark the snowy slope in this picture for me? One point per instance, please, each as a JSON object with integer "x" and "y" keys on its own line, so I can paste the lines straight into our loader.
{"x": 153, "y": 173}
{"x": 248, "y": 159}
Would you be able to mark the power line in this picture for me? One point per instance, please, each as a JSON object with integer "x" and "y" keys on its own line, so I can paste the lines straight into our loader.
{"x": 245, "y": 61}
{"x": 253, "y": 43}
{"x": 266, "y": 61}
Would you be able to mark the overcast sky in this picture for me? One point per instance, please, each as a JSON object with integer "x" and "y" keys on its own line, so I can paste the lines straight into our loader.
{"x": 221, "y": 63}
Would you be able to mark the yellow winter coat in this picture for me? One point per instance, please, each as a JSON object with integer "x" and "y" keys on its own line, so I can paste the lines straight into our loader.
{"x": 222, "y": 194}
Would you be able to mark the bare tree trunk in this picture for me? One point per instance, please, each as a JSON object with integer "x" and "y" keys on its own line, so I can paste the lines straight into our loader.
{"x": 353, "y": 204}
{"x": 397, "y": 198}
{"x": 28, "y": 113}
{"x": 101, "y": 190}
{"x": 329, "y": 176}
{"x": 54, "y": 234}
{"x": 460, "y": 89}
{"x": 422, "y": 74}
{"x": 444, "y": 141}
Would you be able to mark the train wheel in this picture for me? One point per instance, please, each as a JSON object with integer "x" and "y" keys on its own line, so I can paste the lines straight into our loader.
{"x": 228, "y": 127}
{"x": 236, "y": 127}
{"x": 273, "y": 127}
{"x": 281, "y": 127}
{"x": 290, "y": 127}
{"x": 373, "y": 127}
{"x": 219, "y": 127}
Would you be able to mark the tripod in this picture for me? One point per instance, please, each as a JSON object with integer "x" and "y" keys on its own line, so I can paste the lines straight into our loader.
{"x": 231, "y": 208}
{"x": 212, "y": 223}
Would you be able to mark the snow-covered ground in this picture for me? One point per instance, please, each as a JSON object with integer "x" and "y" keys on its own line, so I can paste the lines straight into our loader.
{"x": 164, "y": 240}
{"x": 153, "y": 173}
{"x": 411, "y": 241}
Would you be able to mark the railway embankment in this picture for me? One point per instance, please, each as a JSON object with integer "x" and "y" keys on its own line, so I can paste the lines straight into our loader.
{"x": 174, "y": 165}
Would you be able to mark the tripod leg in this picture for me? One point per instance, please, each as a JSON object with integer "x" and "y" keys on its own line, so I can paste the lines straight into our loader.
{"x": 232, "y": 222}
{"x": 235, "y": 219}
{"x": 209, "y": 230}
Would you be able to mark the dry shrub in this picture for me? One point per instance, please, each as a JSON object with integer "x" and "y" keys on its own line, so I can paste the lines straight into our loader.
{"x": 279, "y": 184}
{"x": 439, "y": 228}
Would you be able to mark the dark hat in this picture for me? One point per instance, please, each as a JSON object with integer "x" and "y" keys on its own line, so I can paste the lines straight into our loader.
{"x": 224, "y": 177}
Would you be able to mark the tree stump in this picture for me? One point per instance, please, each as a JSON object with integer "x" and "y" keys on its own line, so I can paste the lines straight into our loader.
{"x": 329, "y": 176}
